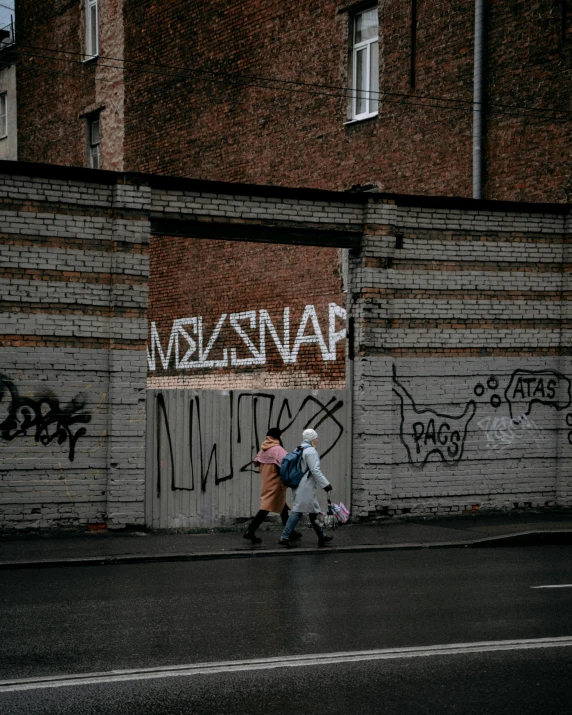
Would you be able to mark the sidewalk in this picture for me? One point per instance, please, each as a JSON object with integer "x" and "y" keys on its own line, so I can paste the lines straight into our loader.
{"x": 72, "y": 548}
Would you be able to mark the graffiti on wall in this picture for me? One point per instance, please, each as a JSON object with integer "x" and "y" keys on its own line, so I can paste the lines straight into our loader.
{"x": 425, "y": 431}
{"x": 242, "y": 420}
{"x": 503, "y": 432}
{"x": 42, "y": 416}
{"x": 190, "y": 346}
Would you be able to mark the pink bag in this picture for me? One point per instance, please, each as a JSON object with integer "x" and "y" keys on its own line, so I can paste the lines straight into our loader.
{"x": 341, "y": 513}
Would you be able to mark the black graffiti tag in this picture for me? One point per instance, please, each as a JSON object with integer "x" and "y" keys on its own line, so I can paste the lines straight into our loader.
{"x": 43, "y": 415}
{"x": 424, "y": 432}
{"x": 545, "y": 387}
{"x": 252, "y": 422}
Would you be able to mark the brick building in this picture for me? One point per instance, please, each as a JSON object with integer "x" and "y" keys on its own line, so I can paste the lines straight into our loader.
{"x": 319, "y": 94}
{"x": 399, "y": 97}
{"x": 461, "y": 377}
{"x": 285, "y": 93}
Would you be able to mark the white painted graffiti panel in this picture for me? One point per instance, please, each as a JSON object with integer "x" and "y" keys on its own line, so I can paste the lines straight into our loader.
{"x": 191, "y": 345}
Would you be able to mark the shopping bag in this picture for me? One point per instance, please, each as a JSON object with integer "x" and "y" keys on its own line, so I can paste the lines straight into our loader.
{"x": 341, "y": 513}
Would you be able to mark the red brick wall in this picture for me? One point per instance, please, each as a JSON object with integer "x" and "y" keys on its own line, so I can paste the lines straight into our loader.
{"x": 48, "y": 100}
{"x": 196, "y": 277}
{"x": 184, "y": 120}
{"x": 56, "y": 87}
{"x": 529, "y": 152}
{"x": 187, "y": 121}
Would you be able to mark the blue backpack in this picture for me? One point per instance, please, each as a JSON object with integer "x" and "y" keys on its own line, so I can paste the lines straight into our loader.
{"x": 291, "y": 468}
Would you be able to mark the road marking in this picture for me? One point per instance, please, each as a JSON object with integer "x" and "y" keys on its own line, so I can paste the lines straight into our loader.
{"x": 556, "y": 585}
{"x": 291, "y": 661}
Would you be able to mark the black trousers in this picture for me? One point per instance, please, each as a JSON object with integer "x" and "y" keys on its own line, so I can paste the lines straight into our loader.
{"x": 262, "y": 514}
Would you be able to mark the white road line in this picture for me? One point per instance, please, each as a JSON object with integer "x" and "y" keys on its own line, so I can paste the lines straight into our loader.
{"x": 556, "y": 585}
{"x": 293, "y": 661}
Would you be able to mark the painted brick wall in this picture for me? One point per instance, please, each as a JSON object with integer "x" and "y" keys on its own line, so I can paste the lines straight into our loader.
{"x": 462, "y": 373}
{"x": 73, "y": 272}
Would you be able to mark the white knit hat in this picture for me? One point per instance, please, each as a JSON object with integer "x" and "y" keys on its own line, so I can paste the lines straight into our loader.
{"x": 309, "y": 435}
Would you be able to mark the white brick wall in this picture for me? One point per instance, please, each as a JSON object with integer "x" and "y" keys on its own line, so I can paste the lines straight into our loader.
{"x": 466, "y": 272}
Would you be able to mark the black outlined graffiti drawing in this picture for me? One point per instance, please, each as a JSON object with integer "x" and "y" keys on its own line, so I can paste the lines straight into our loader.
{"x": 424, "y": 432}
{"x": 43, "y": 416}
{"x": 311, "y": 413}
{"x": 544, "y": 387}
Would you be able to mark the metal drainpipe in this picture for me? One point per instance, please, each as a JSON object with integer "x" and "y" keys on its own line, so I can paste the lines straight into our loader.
{"x": 478, "y": 100}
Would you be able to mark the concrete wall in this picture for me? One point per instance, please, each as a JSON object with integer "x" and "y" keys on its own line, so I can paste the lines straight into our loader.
{"x": 459, "y": 341}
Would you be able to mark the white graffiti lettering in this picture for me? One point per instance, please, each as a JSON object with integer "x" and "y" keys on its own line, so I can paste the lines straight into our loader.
{"x": 504, "y": 432}
{"x": 187, "y": 339}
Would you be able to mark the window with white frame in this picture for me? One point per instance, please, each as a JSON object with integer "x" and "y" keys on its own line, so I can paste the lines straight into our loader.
{"x": 93, "y": 142}
{"x": 91, "y": 28}
{"x": 3, "y": 115}
{"x": 365, "y": 64}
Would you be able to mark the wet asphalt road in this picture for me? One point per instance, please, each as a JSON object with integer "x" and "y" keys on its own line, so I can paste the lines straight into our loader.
{"x": 87, "y": 619}
{"x": 519, "y": 683}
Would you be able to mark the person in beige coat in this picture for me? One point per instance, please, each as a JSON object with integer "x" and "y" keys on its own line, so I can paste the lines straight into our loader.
{"x": 272, "y": 491}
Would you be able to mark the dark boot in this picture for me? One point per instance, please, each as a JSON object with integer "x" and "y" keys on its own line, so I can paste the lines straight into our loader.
{"x": 322, "y": 538}
{"x": 251, "y": 536}
{"x": 250, "y": 533}
{"x": 286, "y": 543}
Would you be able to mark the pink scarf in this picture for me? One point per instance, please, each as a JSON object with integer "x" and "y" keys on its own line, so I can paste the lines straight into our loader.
{"x": 271, "y": 452}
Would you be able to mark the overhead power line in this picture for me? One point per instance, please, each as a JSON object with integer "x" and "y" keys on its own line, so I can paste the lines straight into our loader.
{"x": 292, "y": 86}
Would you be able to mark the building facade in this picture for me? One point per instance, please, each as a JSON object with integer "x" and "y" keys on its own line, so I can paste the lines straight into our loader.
{"x": 460, "y": 378}
{"x": 383, "y": 104}
{"x": 408, "y": 97}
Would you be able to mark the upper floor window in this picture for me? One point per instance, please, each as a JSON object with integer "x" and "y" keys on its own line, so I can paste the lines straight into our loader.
{"x": 365, "y": 64}
{"x": 93, "y": 141}
{"x": 91, "y": 28}
{"x": 3, "y": 115}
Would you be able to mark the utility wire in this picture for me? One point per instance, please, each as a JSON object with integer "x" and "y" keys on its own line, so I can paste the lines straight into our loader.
{"x": 65, "y": 74}
{"x": 295, "y": 85}
{"x": 345, "y": 94}
{"x": 236, "y": 82}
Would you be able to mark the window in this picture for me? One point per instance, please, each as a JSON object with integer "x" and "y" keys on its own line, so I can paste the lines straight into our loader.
{"x": 91, "y": 28}
{"x": 3, "y": 116}
{"x": 365, "y": 64}
{"x": 93, "y": 142}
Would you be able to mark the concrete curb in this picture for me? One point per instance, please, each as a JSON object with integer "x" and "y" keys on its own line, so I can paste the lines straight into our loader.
{"x": 523, "y": 538}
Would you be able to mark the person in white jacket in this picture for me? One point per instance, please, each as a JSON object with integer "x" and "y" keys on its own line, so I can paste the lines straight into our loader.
{"x": 305, "y": 501}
